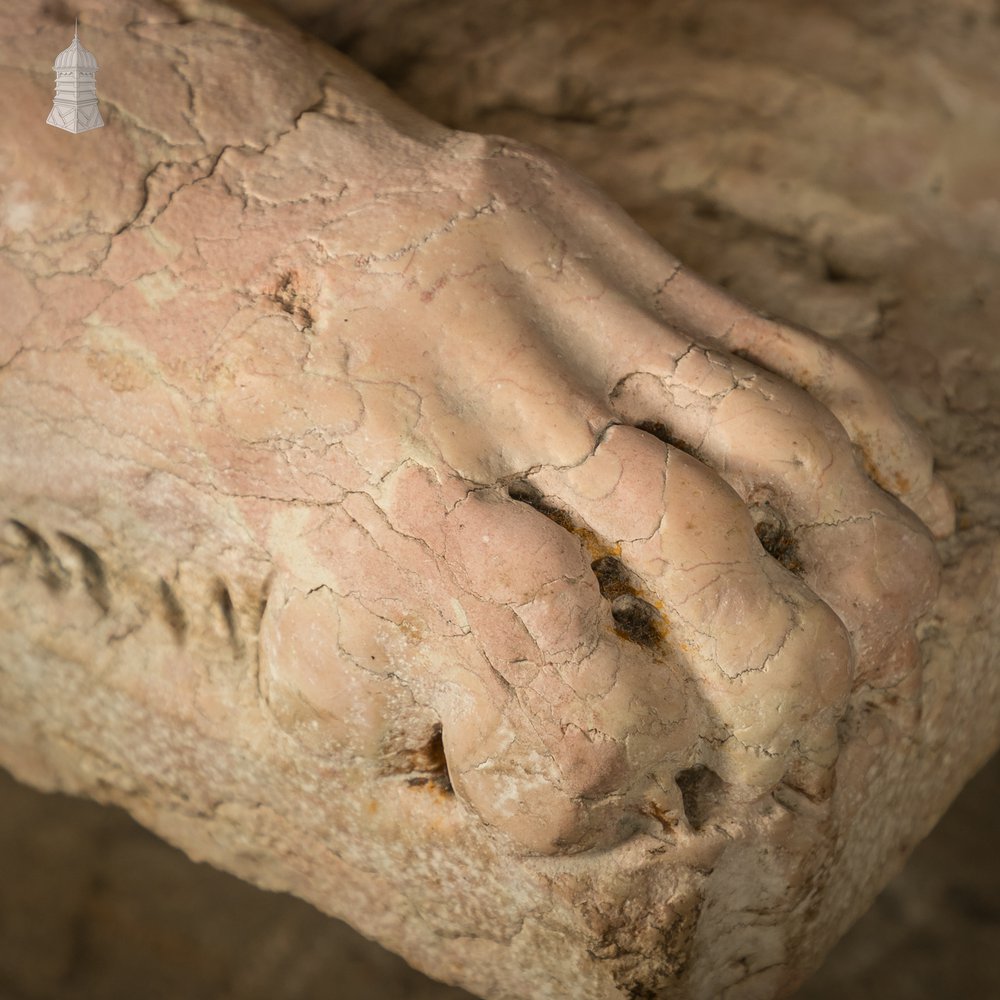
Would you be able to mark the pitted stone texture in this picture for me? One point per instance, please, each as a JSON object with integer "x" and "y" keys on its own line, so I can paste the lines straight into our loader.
{"x": 386, "y": 591}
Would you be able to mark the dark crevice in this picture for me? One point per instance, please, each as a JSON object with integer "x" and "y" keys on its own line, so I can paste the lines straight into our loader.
{"x": 178, "y": 9}
{"x": 431, "y": 763}
{"x": 667, "y": 436}
{"x": 58, "y": 11}
{"x": 291, "y": 301}
{"x": 613, "y": 578}
{"x": 834, "y": 273}
{"x": 636, "y": 620}
{"x": 284, "y": 294}
{"x": 702, "y": 792}
{"x": 775, "y": 537}
{"x": 524, "y": 492}
{"x": 638, "y": 991}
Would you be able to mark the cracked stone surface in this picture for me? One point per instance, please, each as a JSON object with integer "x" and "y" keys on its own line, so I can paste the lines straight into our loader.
{"x": 95, "y": 907}
{"x": 389, "y": 520}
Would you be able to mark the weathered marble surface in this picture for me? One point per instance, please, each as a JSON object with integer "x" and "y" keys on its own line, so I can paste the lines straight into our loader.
{"x": 95, "y": 907}
{"x": 114, "y": 736}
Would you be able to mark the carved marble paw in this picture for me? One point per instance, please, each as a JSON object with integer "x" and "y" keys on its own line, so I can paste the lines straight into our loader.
{"x": 613, "y": 549}
{"x": 550, "y": 528}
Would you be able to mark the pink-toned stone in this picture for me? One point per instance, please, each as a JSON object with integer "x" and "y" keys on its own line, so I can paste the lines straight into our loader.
{"x": 371, "y": 535}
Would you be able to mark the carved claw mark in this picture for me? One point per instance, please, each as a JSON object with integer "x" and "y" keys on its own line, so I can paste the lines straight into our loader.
{"x": 173, "y": 613}
{"x": 94, "y": 575}
{"x": 81, "y": 561}
{"x": 50, "y": 569}
{"x": 224, "y": 602}
{"x": 431, "y": 762}
{"x": 265, "y": 594}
